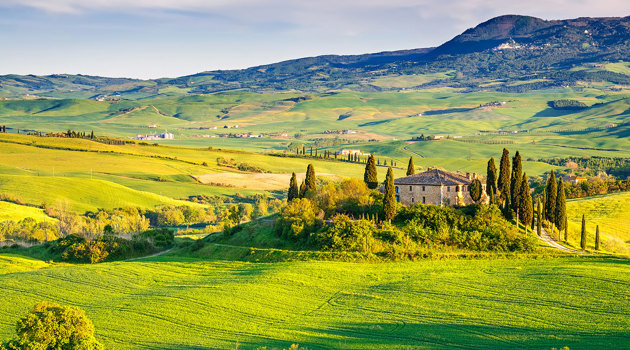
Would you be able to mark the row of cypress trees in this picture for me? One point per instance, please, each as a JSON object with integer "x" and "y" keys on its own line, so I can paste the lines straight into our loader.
{"x": 510, "y": 188}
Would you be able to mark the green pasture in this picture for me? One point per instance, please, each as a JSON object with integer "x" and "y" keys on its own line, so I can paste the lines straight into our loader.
{"x": 16, "y": 212}
{"x": 612, "y": 214}
{"x": 80, "y": 194}
{"x": 170, "y": 302}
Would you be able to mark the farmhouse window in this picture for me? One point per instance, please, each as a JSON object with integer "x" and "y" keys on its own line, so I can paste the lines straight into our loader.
{"x": 423, "y": 189}
{"x": 413, "y": 200}
{"x": 410, "y": 188}
{"x": 396, "y": 189}
{"x": 424, "y": 200}
{"x": 448, "y": 188}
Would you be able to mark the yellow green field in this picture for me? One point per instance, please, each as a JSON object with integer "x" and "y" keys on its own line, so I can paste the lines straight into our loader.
{"x": 612, "y": 214}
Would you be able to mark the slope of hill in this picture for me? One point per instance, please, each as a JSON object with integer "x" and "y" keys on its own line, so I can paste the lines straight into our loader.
{"x": 517, "y": 48}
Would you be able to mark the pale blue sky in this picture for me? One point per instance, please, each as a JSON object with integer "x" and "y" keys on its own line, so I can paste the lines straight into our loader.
{"x": 169, "y": 38}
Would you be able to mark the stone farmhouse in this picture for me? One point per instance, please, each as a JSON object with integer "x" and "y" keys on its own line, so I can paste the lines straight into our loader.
{"x": 436, "y": 186}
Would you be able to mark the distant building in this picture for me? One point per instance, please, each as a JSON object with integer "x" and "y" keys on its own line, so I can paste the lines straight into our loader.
{"x": 438, "y": 137}
{"x": 435, "y": 186}
{"x": 347, "y": 132}
{"x": 152, "y": 126}
{"x": 163, "y": 136}
{"x": 574, "y": 179}
{"x": 353, "y": 152}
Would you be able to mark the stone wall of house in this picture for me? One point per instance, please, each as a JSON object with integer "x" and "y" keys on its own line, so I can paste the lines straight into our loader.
{"x": 414, "y": 194}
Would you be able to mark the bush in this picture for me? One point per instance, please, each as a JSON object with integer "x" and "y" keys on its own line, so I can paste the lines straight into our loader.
{"x": 161, "y": 238}
{"x": 52, "y": 326}
{"x": 299, "y": 219}
{"x": 88, "y": 251}
{"x": 345, "y": 234}
{"x": 198, "y": 244}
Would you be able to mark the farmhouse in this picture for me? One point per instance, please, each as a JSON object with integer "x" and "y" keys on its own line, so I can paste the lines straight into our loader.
{"x": 574, "y": 179}
{"x": 435, "y": 186}
{"x": 352, "y": 152}
{"x": 164, "y": 136}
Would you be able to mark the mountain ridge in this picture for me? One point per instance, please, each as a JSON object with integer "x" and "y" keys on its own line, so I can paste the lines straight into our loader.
{"x": 509, "y": 46}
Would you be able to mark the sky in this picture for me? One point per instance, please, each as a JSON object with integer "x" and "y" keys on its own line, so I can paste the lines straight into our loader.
{"x": 170, "y": 38}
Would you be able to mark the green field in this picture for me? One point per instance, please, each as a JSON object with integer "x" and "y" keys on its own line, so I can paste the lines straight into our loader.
{"x": 610, "y": 212}
{"x": 171, "y": 302}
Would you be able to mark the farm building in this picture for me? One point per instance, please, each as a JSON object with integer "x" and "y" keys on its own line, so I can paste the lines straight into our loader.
{"x": 436, "y": 186}
{"x": 574, "y": 179}
{"x": 353, "y": 152}
{"x": 164, "y": 136}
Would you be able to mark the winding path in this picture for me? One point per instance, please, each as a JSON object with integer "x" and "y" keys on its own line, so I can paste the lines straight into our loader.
{"x": 152, "y": 255}
{"x": 545, "y": 237}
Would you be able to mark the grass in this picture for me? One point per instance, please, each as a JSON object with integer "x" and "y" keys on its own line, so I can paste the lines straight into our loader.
{"x": 16, "y": 212}
{"x": 171, "y": 302}
{"x": 612, "y": 214}
{"x": 80, "y": 194}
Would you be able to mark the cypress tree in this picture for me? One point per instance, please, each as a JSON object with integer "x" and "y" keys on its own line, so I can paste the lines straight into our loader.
{"x": 370, "y": 176}
{"x": 515, "y": 183}
{"x": 503, "y": 182}
{"x": 539, "y": 218}
{"x": 389, "y": 200}
{"x": 525, "y": 206}
{"x": 583, "y": 234}
{"x": 302, "y": 189}
{"x": 475, "y": 190}
{"x": 561, "y": 207}
{"x": 597, "y": 238}
{"x": 491, "y": 180}
{"x": 310, "y": 181}
{"x": 410, "y": 168}
{"x": 552, "y": 194}
{"x": 566, "y": 228}
{"x": 294, "y": 191}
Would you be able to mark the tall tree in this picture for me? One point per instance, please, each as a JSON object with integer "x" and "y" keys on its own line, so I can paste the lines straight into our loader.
{"x": 310, "y": 181}
{"x": 410, "y": 168}
{"x": 583, "y": 234}
{"x": 525, "y": 206}
{"x": 561, "y": 207}
{"x": 515, "y": 183}
{"x": 597, "y": 238}
{"x": 552, "y": 194}
{"x": 539, "y": 218}
{"x": 491, "y": 180}
{"x": 389, "y": 201}
{"x": 294, "y": 191}
{"x": 475, "y": 190}
{"x": 503, "y": 182}
{"x": 370, "y": 176}
{"x": 566, "y": 228}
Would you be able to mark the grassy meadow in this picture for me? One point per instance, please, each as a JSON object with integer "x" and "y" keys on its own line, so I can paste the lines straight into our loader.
{"x": 174, "y": 302}
{"x": 612, "y": 214}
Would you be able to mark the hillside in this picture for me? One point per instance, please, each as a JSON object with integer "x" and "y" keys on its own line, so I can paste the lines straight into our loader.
{"x": 511, "y": 48}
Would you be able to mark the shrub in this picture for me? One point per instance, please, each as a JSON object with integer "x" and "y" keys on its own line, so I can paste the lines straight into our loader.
{"x": 299, "y": 219}
{"x": 344, "y": 234}
{"x": 161, "y": 238}
{"x": 52, "y": 326}
{"x": 88, "y": 251}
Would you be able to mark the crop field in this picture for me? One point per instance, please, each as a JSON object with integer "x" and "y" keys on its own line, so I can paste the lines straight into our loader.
{"x": 171, "y": 302}
{"x": 612, "y": 214}
{"x": 16, "y": 212}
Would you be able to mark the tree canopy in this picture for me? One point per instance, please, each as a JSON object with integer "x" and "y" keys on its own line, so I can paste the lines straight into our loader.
{"x": 55, "y": 327}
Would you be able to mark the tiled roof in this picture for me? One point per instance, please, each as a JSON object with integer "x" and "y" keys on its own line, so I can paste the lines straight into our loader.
{"x": 434, "y": 177}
